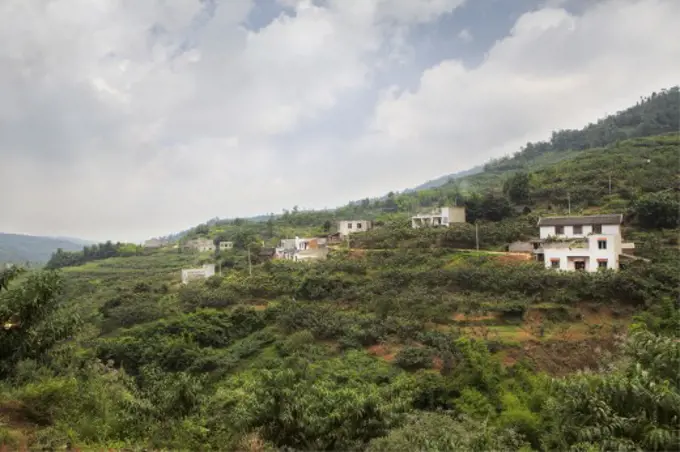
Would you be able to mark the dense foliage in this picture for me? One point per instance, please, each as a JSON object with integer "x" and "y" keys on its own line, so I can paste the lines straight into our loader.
{"x": 90, "y": 253}
{"x": 361, "y": 352}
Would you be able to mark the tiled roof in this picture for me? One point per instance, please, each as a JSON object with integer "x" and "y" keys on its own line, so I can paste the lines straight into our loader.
{"x": 585, "y": 220}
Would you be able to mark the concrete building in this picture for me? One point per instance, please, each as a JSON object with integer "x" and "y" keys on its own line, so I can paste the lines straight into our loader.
{"x": 300, "y": 249}
{"x": 346, "y": 228}
{"x": 200, "y": 244}
{"x": 442, "y": 216}
{"x": 586, "y": 243}
{"x": 226, "y": 246}
{"x": 155, "y": 243}
{"x": 192, "y": 274}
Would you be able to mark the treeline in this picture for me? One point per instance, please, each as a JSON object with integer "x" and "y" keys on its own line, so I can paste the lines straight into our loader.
{"x": 654, "y": 115}
{"x": 90, "y": 253}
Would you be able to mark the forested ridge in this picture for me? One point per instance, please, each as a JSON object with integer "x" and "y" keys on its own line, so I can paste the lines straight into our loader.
{"x": 402, "y": 340}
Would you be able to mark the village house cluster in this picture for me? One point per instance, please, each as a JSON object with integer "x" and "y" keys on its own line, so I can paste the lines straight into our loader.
{"x": 568, "y": 243}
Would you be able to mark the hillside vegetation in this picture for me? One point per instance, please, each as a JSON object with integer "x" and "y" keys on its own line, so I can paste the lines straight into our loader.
{"x": 402, "y": 340}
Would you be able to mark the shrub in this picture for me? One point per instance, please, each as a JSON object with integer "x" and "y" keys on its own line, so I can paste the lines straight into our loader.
{"x": 412, "y": 358}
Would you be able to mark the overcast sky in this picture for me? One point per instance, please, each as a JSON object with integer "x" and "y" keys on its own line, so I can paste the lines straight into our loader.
{"x": 126, "y": 119}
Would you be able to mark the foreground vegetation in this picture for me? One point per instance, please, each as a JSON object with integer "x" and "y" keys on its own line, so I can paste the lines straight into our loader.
{"x": 407, "y": 349}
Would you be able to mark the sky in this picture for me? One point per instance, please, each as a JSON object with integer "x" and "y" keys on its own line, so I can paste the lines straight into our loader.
{"x": 128, "y": 119}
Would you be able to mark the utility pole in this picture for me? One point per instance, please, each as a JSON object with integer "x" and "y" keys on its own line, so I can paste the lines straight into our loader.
{"x": 569, "y": 202}
{"x": 477, "y": 234}
{"x": 250, "y": 265}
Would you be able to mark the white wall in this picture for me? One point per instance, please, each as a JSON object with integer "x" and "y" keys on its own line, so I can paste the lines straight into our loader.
{"x": 453, "y": 214}
{"x": 349, "y": 227}
{"x": 547, "y": 231}
{"x": 192, "y": 274}
{"x": 562, "y": 252}
{"x": 444, "y": 216}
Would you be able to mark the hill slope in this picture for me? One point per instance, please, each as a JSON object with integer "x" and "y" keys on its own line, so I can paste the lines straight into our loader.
{"x": 614, "y": 136}
{"x": 18, "y": 248}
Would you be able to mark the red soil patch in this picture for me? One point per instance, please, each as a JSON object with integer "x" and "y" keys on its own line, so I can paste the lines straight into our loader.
{"x": 563, "y": 357}
{"x": 357, "y": 253}
{"x": 13, "y": 415}
{"x": 437, "y": 363}
{"x": 508, "y": 360}
{"x": 388, "y": 353}
{"x": 512, "y": 258}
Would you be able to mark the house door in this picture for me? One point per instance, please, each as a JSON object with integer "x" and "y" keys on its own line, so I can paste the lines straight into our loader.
{"x": 580, "y": 265}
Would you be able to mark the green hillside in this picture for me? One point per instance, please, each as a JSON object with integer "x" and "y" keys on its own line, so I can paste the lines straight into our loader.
{"x": 17, "y": 248}
{"x": 402, "y": 340}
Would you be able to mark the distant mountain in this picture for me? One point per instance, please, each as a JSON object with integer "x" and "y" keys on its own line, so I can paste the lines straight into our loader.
{"x": 75, "y": 240}
{"x": 18, "y": 248}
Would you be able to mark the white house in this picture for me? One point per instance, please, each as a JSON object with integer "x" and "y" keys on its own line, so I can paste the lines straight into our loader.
{"x": 442, "y": 216}
{"x": 584, "y": 243}
{"x": 201, "y": 244}
{"x": 226, "y": 245}
{"x": 192, "y": 274}
{"x": 349, "y": 227}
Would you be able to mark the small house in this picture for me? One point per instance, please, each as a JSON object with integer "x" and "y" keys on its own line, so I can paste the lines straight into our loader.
{"x": 192, "y": 274}
{"x": 346, "y": 228}
{"x": 224, "y": 245}
{"x": 442, "y": 216}
{"x": 200, "y": 244}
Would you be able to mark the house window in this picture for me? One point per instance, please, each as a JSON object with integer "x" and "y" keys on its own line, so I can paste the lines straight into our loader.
{"x": 580, "y": 265}
{"x": 602, "y": 263}
{"x": 349, "y": 225}
{"x": 358, "y": 225}
{"x": 578, "y": 230}
{"x": 602, "y": 244}
{"x": 554, "y": 263}
{"x": 559, "y": 230}
{"x": 597, "y": 229}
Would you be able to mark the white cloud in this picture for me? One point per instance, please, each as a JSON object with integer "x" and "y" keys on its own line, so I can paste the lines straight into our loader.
{"x": 554, "y": 70}
{"x": 124, "y": 119}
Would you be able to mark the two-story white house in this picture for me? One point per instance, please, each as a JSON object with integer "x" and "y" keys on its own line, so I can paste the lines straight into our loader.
{"x": 442, "y": 216}
{"x": 346, "y": 228}
{"x": 585, "y": 243}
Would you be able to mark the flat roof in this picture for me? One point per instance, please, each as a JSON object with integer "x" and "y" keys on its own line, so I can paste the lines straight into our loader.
{"x": 581, "y": 221}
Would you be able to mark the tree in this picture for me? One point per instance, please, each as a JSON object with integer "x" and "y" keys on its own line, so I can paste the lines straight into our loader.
{"x": 202, "y": 229}
{"x": 31, "y": 316}
{"x": 658, "y": 210}
{"x": 517, "y": 187}
{"x": 270, "y": 227}
{"x": 634, "y": 407}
